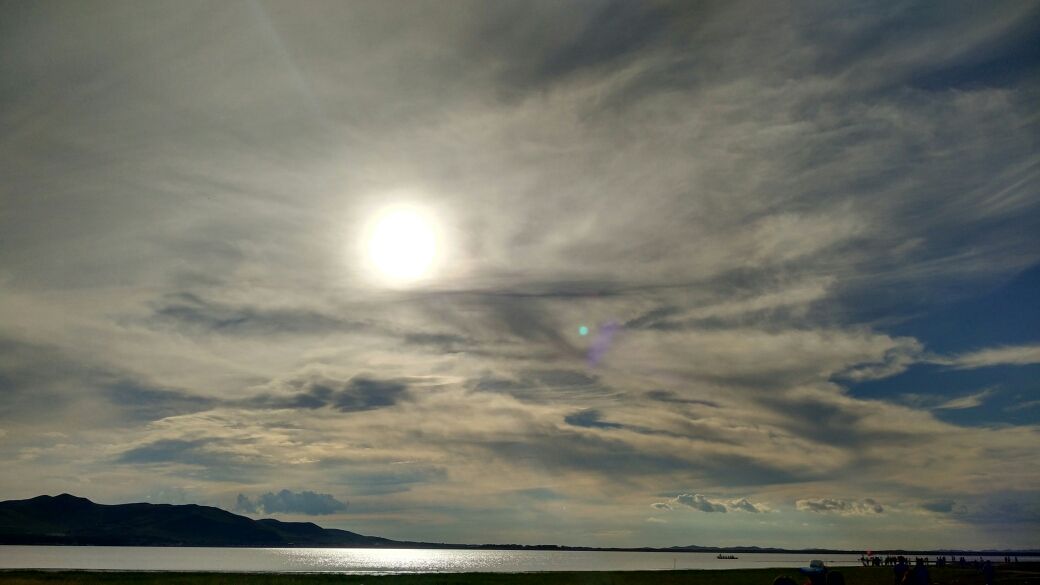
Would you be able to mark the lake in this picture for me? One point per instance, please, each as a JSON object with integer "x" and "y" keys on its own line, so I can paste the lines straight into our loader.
{"x": 367, "y": 560}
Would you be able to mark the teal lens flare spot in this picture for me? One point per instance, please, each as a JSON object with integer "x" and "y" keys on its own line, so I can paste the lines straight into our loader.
{"x": 583, "y": 330}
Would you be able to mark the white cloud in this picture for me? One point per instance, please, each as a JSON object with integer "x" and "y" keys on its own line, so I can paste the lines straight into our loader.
{"x": 970, "y": 401}
{"x": 744, "y": 505}
{"x": 863, "y": 507}
{"x": 940, "y": 402}
{"x": 699, "y": 502}
{"x": 1020, "y": 355}
{"x": 703, "y": 503}
{"x": 288, "y": 502}
{"x": 1023, "y": 405}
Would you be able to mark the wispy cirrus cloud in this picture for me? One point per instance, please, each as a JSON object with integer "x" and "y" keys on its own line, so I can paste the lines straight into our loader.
{"x": 748, "y": 198}
{"x": 1020, "y": 355}
{"x": 944, "y": 402}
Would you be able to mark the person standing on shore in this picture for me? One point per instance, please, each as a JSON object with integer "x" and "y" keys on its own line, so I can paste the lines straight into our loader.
{"x": 900, "y": 570}
{"x": 920, "y": 575}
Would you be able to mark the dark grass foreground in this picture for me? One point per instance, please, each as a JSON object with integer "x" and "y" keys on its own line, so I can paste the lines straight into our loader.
{"x": 1020, "y": 575}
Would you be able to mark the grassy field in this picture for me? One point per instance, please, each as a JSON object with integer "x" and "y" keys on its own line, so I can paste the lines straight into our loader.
{"x": 1023, "y": 575}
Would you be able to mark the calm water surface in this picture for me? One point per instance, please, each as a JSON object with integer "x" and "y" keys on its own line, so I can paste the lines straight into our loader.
{"x": 362, "y": 560}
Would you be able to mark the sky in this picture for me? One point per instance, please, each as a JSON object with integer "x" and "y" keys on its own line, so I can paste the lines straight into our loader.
{"x": 715, "y": 273}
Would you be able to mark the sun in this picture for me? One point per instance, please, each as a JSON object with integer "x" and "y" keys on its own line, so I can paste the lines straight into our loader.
{"x": 402, "y": 245}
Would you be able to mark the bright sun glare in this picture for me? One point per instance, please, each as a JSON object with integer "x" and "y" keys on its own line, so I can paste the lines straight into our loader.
{"x": 402, "y": 245}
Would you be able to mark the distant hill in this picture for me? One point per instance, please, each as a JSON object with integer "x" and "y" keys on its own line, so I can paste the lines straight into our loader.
{"x": 67, "y": 519}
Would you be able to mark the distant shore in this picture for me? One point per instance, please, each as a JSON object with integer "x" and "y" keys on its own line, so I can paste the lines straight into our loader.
{"x": 1022, "y": 574}
{"x": 1027, "y": 555}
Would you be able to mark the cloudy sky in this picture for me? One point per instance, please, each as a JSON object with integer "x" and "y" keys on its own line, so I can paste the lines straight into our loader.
{"x": 803, "y": 241}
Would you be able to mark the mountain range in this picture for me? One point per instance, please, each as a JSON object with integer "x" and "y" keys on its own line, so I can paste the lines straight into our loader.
{"x": 67, "y": 519}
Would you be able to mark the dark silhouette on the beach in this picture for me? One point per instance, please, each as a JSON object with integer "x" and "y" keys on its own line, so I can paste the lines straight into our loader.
{"x": 817, "y": 572}
{"x": 988, "y": 572}
{"x": 900, "y": 570}
{"x": 919, "y": 575}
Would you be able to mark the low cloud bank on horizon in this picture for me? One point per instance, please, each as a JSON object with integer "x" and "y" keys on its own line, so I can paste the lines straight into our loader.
{"x": 288, "y": 502}
{"x": 704, "y": 274}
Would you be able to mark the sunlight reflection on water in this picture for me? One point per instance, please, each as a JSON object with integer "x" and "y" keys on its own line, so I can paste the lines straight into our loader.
{"x": 375, "y": 561}
{"x": 395, "y": 560}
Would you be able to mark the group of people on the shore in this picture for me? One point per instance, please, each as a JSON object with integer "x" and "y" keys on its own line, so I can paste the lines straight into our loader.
{"x": 918, "y": 573}
{"x": 904, "y": 572}
{"x": 907, "y": 575}
{"x": 939, "y": 561}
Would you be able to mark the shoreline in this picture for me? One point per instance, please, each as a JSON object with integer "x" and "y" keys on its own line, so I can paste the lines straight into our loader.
{"x": 1030, "y": 556}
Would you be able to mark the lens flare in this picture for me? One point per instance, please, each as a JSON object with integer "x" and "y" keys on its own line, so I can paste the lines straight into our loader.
{"x": 601, "y": 344}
